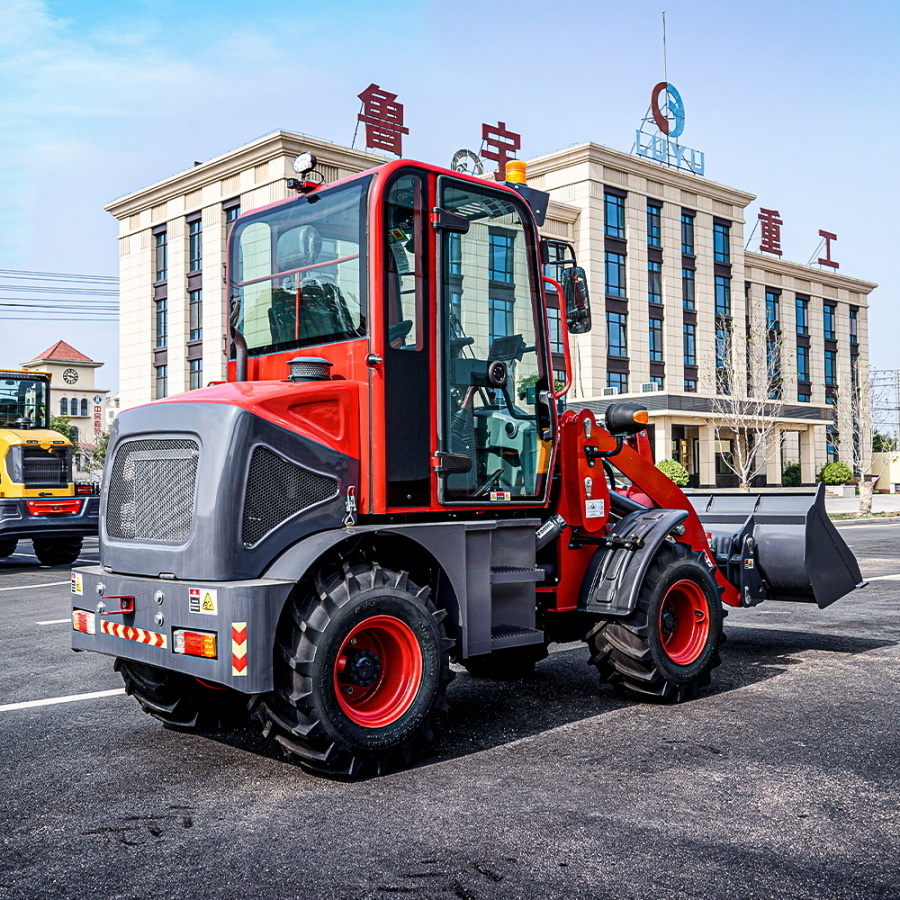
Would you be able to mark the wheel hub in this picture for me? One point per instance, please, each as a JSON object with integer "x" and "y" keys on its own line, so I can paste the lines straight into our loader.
{"x": 363, "y": 667}
{"x": 684, "y": 622}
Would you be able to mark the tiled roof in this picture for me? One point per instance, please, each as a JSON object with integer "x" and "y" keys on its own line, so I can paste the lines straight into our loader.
{"x": 63, "y": 351}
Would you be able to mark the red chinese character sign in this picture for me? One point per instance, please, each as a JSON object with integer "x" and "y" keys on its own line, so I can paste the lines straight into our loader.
{"x": 770, "y": 231}
{"x": 500, "y": 145}
{"x": 828, "y": 261}
{"x": 383, "y": 118}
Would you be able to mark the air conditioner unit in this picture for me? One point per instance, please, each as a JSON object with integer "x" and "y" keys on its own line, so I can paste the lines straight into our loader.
{"x": 609, "y": 392}
{"x": 649, "y": 387}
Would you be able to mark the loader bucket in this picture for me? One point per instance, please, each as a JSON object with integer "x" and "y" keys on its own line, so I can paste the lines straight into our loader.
{"x": 798, "y": 551}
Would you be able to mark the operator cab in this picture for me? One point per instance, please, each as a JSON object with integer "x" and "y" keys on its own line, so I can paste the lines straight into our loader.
{"x": 425, "y": 287}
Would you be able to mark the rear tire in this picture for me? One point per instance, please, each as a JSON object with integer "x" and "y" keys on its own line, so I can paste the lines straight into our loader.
{"x": 181, "y": 701}
{"x": 361, "y": 668}
{"x": 667, "y": 647}
{"x": 57, "y": 551}
{"x": 8, "y": 547}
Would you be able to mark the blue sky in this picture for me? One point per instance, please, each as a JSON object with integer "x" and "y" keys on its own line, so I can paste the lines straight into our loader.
{"x": 793, "y": 102}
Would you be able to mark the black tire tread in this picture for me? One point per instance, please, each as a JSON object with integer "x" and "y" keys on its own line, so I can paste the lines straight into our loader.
{"x": 620, "y": 648}
{"x": 288, "y": 713}
{"x": 57, "y": 551}
{"x": 180, "y": 701}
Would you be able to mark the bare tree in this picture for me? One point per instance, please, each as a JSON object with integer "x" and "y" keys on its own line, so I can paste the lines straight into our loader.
{"x": 851, "y": 438}
{"x": 747, "y": 396}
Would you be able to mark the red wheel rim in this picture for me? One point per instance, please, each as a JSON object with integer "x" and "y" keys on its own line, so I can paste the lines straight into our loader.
{"x": 378, "y": 671}
{"x": 684, "y": 622}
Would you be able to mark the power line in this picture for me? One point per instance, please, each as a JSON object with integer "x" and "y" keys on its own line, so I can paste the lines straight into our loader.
{"x": 54, "y": 276}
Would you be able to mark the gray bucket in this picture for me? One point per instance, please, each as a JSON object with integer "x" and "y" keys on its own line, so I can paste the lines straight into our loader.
{"x": 779, "y": 546}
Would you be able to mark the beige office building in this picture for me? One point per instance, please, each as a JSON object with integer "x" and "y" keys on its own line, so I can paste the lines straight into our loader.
{"x": 664, "y": 253}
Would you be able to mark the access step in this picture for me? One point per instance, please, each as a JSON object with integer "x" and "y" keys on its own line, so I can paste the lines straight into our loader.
{"x": 515, "y": 574}
{"x": 503, "y": 636}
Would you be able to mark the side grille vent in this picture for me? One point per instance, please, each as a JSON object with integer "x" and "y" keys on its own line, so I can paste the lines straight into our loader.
{"x": 150, "y": 491}
{"x": 276, "y": 490}
{"x": 43, "y": 468}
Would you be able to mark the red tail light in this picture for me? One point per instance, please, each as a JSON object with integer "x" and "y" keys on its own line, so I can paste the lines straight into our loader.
{"x": 53, "y": 507}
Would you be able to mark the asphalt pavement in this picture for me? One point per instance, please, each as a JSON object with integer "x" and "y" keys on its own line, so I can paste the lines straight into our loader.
{"x": 780, "y": 781}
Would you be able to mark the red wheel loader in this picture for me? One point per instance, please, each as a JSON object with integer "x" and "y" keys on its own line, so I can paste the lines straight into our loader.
{"x": 385, "y": 484}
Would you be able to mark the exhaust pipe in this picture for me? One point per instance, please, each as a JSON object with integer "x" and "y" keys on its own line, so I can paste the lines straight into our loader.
{"x": 778, "y": 546}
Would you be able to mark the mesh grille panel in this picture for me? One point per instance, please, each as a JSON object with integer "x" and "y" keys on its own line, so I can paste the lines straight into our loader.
{"x": 41, "y": 468}
{"x": 150, "y": 492}
{"x": 276, "y": 490}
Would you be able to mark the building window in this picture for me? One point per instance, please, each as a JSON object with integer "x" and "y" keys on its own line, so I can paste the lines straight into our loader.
{"x": 64, "y": 406}
{"x": 73, "y": 406}
{"x": 722, "y": 242}
{"x": 554, "y": 322}
{"x": 687, "y": 288}
{"x": 500, "y": 257}
{"x": 614, "y": 212}
{"x": 772, "y": 315}
{"x": 615, "y": 274}
{"x": 501, "y": 317}
{"x": 654, "y": 282}
{"x": 162, "y": 322}
{"x": 654, "y": 232}
{"x": 802, "y": 315}
{"x": 454, "y": 259}
{"x": 195, "y": 371}
{"x": 832, "y": 441}
{"x": 803, "y": 398}
{"x": 161, "y": 382}
{"x": 689, "y": 332}
{"x": 831, "y": 367}
{"x": 456, "y": 308}
{"x": 828, "y": 319}
{"x": 195, "y": 245}
{"x": 618, "y": 380}
{"x": 161, "y": 256}
{"x": 690, "y": 385}
{"x": 802, "y": 363}
{"x": 658, "y": 381}
{"x": 854, "y": 325}
{"x": 656, "y": 340}
{"x": 84, "y": 407}
{"x": 723, "y": 295}
{"x": 687, "y": 232}
{"x": 195, "y": 304}
{"x": 231, "y": 214}
{"x": 616, "y": 334}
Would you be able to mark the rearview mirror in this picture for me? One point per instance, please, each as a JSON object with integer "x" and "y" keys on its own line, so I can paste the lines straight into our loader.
{"x": 578, "y": 303}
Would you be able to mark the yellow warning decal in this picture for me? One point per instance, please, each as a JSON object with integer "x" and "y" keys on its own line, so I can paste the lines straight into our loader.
{"x": 204, "y": 601}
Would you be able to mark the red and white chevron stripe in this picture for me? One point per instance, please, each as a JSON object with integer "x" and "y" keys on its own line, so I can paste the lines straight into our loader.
{"x": 130, "y": 633}
{"x": 238, "y": 648}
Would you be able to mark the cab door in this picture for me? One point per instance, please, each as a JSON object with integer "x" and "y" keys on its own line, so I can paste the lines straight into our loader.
{"x": 495, "y": 418}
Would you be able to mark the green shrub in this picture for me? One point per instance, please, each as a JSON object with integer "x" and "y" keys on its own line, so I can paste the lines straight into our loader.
{"x": 674, "y": 470}
{"x": 836, "y": 473}
{"x": 791, "y": 476}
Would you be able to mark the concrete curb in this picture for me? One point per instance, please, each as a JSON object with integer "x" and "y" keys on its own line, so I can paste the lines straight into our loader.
{"x": 875, "y": 520}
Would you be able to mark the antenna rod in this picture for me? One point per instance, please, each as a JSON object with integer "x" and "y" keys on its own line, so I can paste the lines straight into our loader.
{"x": 665, "y": 59}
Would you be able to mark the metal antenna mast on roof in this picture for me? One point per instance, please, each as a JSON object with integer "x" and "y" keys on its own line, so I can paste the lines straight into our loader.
{"x": 665, "y": 58}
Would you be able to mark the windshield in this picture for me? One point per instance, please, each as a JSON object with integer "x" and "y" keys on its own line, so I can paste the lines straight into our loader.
{"x": 296, "y": 273}
{"x": 23, "y": 398}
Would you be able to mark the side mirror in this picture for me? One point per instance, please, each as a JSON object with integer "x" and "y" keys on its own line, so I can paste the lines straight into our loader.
{"x": 578, "y": 303}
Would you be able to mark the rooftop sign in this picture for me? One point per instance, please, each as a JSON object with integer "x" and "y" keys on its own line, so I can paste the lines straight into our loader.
{"x": 656, "y": 139}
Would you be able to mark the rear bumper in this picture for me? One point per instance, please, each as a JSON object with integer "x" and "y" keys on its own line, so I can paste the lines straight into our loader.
{"x": 16, "y": 521}
{"x": 242, "y": 614}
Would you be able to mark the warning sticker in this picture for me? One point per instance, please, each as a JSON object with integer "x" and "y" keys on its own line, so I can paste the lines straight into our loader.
{"x": 203, "y": 600}
{"x": 77, "y": 584}
{"x": 500, "y": 495}
{"x": 594, "y": 509}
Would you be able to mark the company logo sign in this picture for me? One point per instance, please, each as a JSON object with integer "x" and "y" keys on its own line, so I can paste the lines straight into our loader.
{"x": 666, "y": 114}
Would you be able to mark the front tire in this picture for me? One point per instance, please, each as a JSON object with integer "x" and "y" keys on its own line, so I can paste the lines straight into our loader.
{"x": 57, "y": 551}
{"x": 8, "y": 547}
{"x": 181, "y": 701}
{"x": 361, "y": 669}
{"x": 667, "y": 647}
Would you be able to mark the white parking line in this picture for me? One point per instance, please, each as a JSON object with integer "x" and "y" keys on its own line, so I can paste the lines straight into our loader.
{"x": 50, "y": 701}
{"x": 29, "y": 587}
{"x": 884, "y": 578}
{"x": 55, "y": 622}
